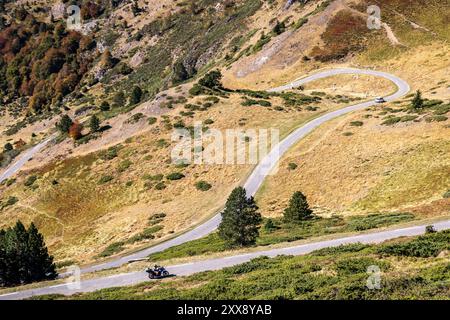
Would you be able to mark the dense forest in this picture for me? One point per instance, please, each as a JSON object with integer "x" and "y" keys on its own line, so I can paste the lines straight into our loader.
{"x": 42, "y": 62}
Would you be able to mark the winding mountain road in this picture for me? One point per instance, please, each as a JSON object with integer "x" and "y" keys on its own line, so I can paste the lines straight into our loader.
{"x": 252, "y": 185}
{"x": 23, "y": 159}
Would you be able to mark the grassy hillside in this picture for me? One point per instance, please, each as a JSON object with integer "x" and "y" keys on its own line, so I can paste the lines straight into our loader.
{"x": 98, "y": 196}
{"x": 93, "y": 200}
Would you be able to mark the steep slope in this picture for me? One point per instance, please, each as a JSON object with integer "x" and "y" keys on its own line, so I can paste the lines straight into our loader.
{"x": 103, "y": 194}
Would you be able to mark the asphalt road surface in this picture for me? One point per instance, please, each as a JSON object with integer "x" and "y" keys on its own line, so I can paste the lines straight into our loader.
{"x": 252, "y": 184}
{"x": 23, "y": 159}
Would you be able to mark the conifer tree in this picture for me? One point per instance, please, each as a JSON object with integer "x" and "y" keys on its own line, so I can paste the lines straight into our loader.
{"x": 24, "y": 258}
{"x": 417, "y": 102}
{"x": 64, "y": 124}
{"x": 39, "y": 262}
{"x": 298, "y": 209}
{"x": 136, "y": 95}
{"x": 94, "y": 124}
{"x": 240, "y": 219}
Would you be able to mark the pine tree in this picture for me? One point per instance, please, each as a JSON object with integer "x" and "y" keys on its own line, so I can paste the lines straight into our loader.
{"x": 8, "y": 147}
{"x": 64, "y": 124}
{"x": 119, "y": 100}
{"x": 298, "y": 209}
{"x": 417, "y": 102}
{"x": 279, "y": 28}
{"x": 180, "y": 73}
{"x": 24, "y": 257}
{"x": 3, "y": 256}
{"x": 212, "y": 80}
{"x": 20, "y": 236}
{"x": 136, "y": 95}
{"x": 39, "y": 263}
{"x": 240, "y": 219}
{"x": 94, "y": 123}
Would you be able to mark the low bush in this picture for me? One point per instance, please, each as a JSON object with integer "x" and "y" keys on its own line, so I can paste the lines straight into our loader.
{"x": 356, "y": 123}
{"x": 147, "y": 234}
{"x": 203, "y": 185}
{"x": 156, "y": 177}
{"x": 292, "y": 166}
{"x": 354, "y": 247}
{"x": 436, "y": 118}
{"x": 156, "y": 218}
{"x": 124, "y": 165}
{"x": 160, "y": 186}
{"x": 30, "y": 181}
{"x": 360, "y": 265}
{"x": 135, "y": 118}
{"x": 175, "y": 176}
{"x": 391, "y": 120}
{"x": 11, "y": 201}
{"x": 110, "y": 154}
{"x": 429, "y": 245}
{"x": 113, "y": 248}
{"x": 105, "y": 179}
{"x": 371, "y": 221}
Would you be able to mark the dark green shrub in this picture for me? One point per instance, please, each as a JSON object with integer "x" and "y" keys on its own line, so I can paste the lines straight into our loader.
{"x": 292, "y": 166}
{"x": 105, "y": 179}
{"x": 175, "y": 176}
{"x": 428, "y": 245}
{"x": 151, "y": 120}
{"x": 135, "y": 118}
{"x": 203, "y": 185}
{"x": 124, "y": 165}
{"x": 160, "y": 186}
{"x": 11, "y": 201}
{"x": 358, "y": 265}
{"x": 354, "y": 247}
{"x": 430, "y": 229}
{"x": 30, "y": 181}
{"x": 391, "y": 120}
{"x": 270, "y": 226}
{"x": 211, "y": 80}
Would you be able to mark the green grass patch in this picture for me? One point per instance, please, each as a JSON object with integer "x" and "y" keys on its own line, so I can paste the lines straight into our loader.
{"x": 429, "y": 245}
{"x": 287, "y": 232}
{"x": 339, "y": 273}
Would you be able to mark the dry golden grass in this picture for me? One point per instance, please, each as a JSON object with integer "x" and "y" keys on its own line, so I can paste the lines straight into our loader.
{"x": 348, "y": 172}
{"x": 377, "y": 168}
{"x": 80, "y": 217}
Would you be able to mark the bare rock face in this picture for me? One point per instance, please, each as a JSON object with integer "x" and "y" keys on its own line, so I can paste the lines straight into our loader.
{"x": 137, "y": 59}
{"x": 206, "y": 57}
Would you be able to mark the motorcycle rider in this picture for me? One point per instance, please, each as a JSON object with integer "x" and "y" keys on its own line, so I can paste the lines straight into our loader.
{"x": 157, "y": 269}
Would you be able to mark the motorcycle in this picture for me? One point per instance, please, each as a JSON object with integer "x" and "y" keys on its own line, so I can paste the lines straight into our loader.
{"x": 157, "y": 272}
